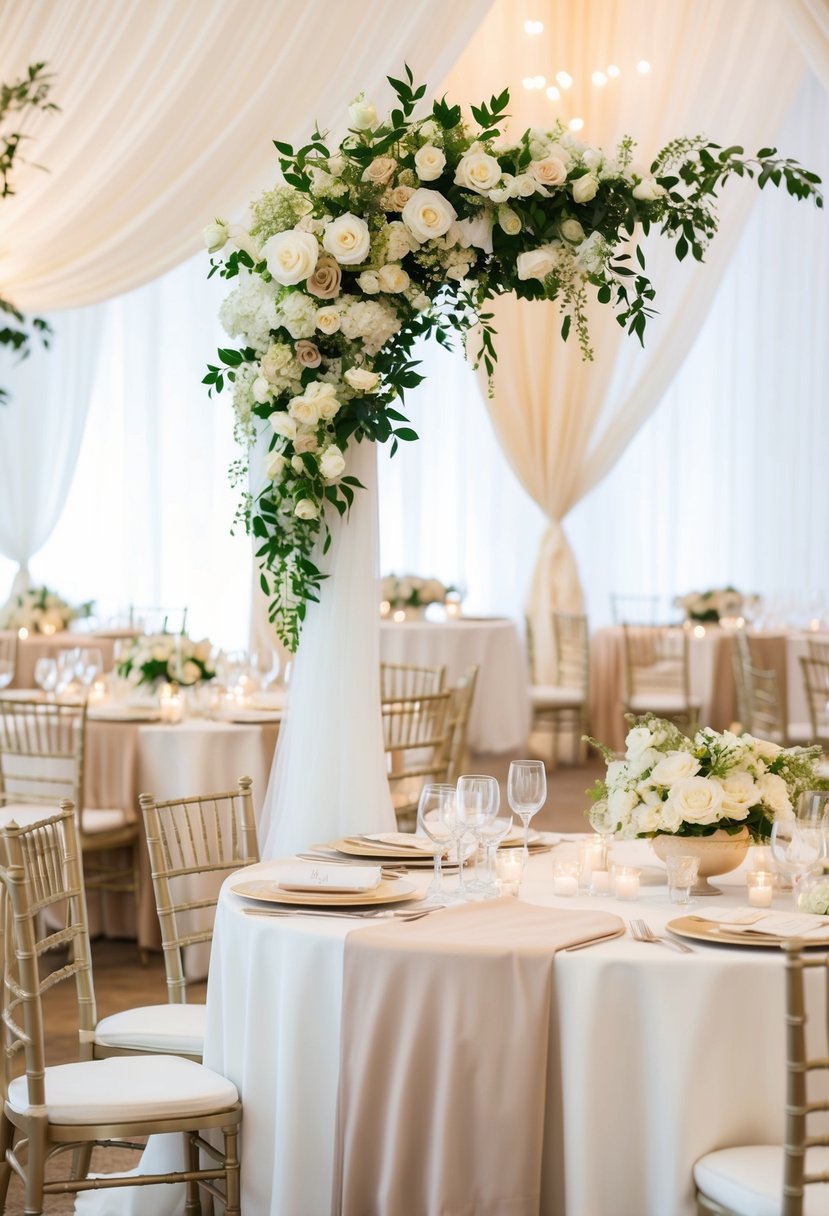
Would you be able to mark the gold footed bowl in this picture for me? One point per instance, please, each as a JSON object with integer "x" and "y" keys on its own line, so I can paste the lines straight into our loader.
{"x": 719, "y": 853}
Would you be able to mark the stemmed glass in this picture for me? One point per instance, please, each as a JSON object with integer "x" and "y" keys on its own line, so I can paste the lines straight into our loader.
{"x": 433, "y": 815}
{"x": 68, "y": 661}
{"x": 90, "y": 665}
{"x": 526, "y": 793}
{"x": 476, "y": 802}
{"x": 492, "y": 833}
{"x": 264, "y": 666}
{"x": 797, "y": 847}
{"x": 46, "y": 675}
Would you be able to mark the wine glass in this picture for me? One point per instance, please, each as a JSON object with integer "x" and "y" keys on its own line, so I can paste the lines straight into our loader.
{"x": 797, "y": 847}
{"x": 68, "y": 661}
{"x": 6, "y": 661}
{"x": 46, "y": 675}
{"x": 526, "y": 793}
{"x": 492, "y": 833}
{"x": 432, "y": 822}
{"x": 476, "y": 801}
{"x": 264, "y": 665}
{"x": 90, "y": 665}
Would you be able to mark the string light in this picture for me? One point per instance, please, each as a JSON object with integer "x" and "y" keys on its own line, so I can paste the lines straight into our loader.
{"x": 599, "y": 79}
{"x": 576, "y": 124}
{"x": 564, "y": 80}
{"x": 534, "y": 82}
{"x": 533, "y": 28}
{"x": 553, "y": 93}
{"x": 643, "y": 67}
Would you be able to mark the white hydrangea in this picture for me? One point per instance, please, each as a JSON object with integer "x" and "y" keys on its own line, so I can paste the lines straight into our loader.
{"x": 371, "y": 321}
{"x": 591, "y": 254}
{"x": 398, "y": 241}
{"x": 249, "y": 311}
{"x": 298, "y": 313}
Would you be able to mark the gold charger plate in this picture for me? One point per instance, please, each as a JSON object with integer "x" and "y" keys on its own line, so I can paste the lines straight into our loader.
{"x": 710, "y": 931}
{"x": 388, "y": 891}
{"x": 352, "y": 847}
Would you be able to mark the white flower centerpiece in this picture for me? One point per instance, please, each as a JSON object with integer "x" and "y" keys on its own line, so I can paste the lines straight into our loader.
{"x": 166, "y": 658}
{"x": 723, "y": 603}
{"x": 714, "y": 785}
{"x": 412, "y": 594}
{"x": 39, "y": 610}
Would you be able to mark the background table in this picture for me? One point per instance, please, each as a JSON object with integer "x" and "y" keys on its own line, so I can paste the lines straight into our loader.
{"x": 40, "y": 646}
{"x": 500, "y": 718}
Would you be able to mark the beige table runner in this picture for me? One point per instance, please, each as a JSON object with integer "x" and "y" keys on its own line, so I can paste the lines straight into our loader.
{"x": 449, "y": 1085}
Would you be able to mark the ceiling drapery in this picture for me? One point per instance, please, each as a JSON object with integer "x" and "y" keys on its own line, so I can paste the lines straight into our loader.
{"x": 168, "y": 112}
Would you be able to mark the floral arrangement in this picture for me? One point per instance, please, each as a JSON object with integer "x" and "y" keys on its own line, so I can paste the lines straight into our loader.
{"x": 407, "y": 228}
{"x": 714, "y": 604}
{"x": 671, "y": 784}
{"x": 39, "y": 610}
{"x": 169, "y": 657}
{"x": 813, "y": 896}
{"x": 409, "y": 591}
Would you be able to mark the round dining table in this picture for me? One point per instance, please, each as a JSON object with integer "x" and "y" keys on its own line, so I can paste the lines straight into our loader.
{"x": 650, "y": 1057}
{"x": 48, "y": 646}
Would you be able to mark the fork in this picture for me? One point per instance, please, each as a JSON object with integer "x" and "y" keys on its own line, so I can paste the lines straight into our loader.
{"x": 643, "y": 933}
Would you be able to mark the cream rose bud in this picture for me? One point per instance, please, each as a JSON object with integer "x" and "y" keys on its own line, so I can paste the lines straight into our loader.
{"x": 393, "y": 278}
{"x": 509, "y": 221}
{"x": 477, "y": 231}
{"x": 274, "y": 465}
{"x": 332, "y": 462}
{"x": 647, "y": 190}
{"x": 362, "y": 113}
{"x": 584, "y": 188}
{"x": 380, "y": 170}
{"x": 523, "y": 186}
{"x": 347, "y": 239}
{"x": 215, "y": 236}
{"x": 429, "y": 162}
{"x": 327, "y": 320}
{"x": 369, "y": 282}
{"x": 306, "y": 508}
{"x": 428, "y": 215}
{"x": 298, "y": 464}
{"x": 536, "y": 263}
{"x": 291, "y": 256}
{"x": 241, "y": 238}
{"x": 325, "y": 282}
{"x": 477, "y": 171}
{"x": 592, "y": 159}
{"x": 283, "y": 424}
{"x": 572, "y": 231}
{"x": 261, "y": 390}
{"x": 361, "y": 379}
{"x": 396, "y": 199}
{"x": 549, "y": 172}
{"x": 307, "y": 354}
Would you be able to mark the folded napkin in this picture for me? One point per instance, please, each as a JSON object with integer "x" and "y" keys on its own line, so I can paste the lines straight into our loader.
{"x": 328, "y": 878}
{"x": 402, "y": 840}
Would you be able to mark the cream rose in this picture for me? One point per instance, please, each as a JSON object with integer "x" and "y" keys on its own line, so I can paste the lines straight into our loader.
{"x": 523, "y": 186}
{"x": 380, "y": 170}
{"x": 306, "y": 441}
{"x": 428, "y": 214}
{"x": 697, "y": 800}
{"x": 332, "y": 462}
{"x": 585, "y": 187}
{"x": 319, "y": 400}
{"x": 775, "y": 795}
{"x": 369, "y": 282}
{"x": 347, "y": 239}
{"x": 536, "y": 263}
{"x": 327, "y": 320}
{"x": 298, "y": 465}
{"x": 638, "y": 740}
{"x": 261, "y": 390}
{"x": 361, "y": 379}
{"x": 740, "y": 794}
{"x": 291, "y": 256}
{"x": 572, "y": 231}
{"x": 325, "y": 282}
{"x": 283, "y": 425}
{"x": 429, "y": 163}
{"x": 306, "y": 508}
{"x": 676, "y": 766}
{"x": 548, "y": 172}
{"x": 362, "y": 113}
{"x": 477, "y": 171}
{"x": 396, "y": 199}
{"x": 305, "y": 410}
{"x": 216, "y": 236}
{"x": 274, "y": 465}
{"x": 477, "y": 231}
{"x": 307, "y": 354}
{"x": 392, "y": 278}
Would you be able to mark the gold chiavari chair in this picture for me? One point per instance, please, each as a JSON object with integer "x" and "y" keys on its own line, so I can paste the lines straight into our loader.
{"x": 766, "y": 719}
{"x": 402, "y": 680}
{"x": 563, "y": 704}
{"x": 791, "y": 1179}
{"x": 657, "y": 677}
{"x": 815, "y": 673}
{"x": 416, "y": 738}
{"x": 460, "y": 707}
{"x": 109, "y": 1102}
{"x": 818, "y": 647}
{"x": 194, "y": 843}
{"x": 740, "y": 661}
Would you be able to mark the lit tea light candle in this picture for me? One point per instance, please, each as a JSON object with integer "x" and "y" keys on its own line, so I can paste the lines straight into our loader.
{"x": 23, "y": 633}
{"x": 399, "y": 616}
{"x": 566, "y": 878}
{"x": 591, "y": 857}
{"x": 627, "y": 882}
{"x": 510, "y": 866}
{"x": 600, "y": 882}
{"x": 171, "y": 703}
{"x": 97, "y": 693}
{"x": 453, "y": 610}
{"x": 760, "y": 888}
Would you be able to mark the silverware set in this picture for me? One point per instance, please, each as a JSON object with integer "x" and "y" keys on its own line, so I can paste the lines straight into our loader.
{"x": 642, "y": 931}
{"x": 362, "y": 914}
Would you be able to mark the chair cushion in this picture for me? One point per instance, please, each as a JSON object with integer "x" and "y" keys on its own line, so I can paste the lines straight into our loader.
{"x": 154, "y": 1028}
{"x": 801, "y": 732}
{"x": 552, "y": 696}
{"x": 102, "y": 819}
{"x": 126, "y": 1088}
{"x": 749, "y": 1180}
{"x": 660, "y": 701}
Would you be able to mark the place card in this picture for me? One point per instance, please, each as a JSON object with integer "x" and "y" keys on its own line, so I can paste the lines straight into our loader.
{"x": 328, "y": 878}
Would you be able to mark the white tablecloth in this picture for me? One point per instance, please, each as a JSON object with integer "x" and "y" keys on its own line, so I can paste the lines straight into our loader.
{"x": 500, "y": 717}
{"x": 664, "y": 1056}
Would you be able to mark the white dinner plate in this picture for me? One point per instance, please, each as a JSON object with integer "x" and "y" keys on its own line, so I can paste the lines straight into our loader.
{"x": 724, "y": 935}
{"x": 268, "y": 890}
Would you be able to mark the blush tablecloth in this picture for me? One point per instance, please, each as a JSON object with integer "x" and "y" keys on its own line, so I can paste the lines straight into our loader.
{"x": 663, "y": 1057}
{"x": 39, "y": 646}
{"x": 500, "y": 717}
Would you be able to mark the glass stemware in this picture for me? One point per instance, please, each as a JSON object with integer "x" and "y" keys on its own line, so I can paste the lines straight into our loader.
{"x": 264, "y": 666}
{"x": 476, "y": 802}
{"x": 798, "y": 847}
{"x": 526, "y": 793}
{"x": 433, "y": 816}
{"x": 46, "y": 674}
{"x": 492, "y": 833}
{"x": 90, "y": 665}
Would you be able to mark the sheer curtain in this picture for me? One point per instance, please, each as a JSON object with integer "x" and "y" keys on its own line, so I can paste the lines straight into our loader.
{"x": 808, "y": 21}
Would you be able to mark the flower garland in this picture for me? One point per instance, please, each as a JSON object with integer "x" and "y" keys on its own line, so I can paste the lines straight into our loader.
{"x": 39, "y": 610}
{"x": 407, "y": 228}
{"x": 171, "y": 657}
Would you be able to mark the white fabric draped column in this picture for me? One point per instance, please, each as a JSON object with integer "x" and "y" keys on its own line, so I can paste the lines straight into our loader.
{"x": 808, "y": 22}
{"x": 563, "y": 422}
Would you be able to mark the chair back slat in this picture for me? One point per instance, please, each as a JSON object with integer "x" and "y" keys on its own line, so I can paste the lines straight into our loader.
{"x": 41, "y": 752}
{"x": 460, "y": 707}
{"x": 403, "y": 680}
{"x": 815, "y": 674}
{"x": 803, "y": 1058}
{"x": 656, "y": 660}
{"x": 765, "y": 717}
{"x": 416, "y": 737}
{"x": 572, "y": 650}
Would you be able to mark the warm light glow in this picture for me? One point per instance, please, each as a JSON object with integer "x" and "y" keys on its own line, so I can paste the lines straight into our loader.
{"x": 564, "y": 80}
{"x": 699, "y": 631}
{"x": 48, "y": 628}
{"x": 534, "y": 82}
{"x": 540, "y": 82}
{"x": 576, "y": 124}
{"x": 553, "y": 93}
{"x": 643, "y": 67}
{"x": 599, "y": 79}
{"x": 613, "y": 70}
{"x": 399, "y": 616}
{"x": 533, "y": 28}
{"x": 23, "y": 633}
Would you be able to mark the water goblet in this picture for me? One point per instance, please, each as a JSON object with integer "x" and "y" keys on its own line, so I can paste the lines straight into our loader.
{"x": 492, "y": 833}
{"x": 90, "y": 665}
{"x": 68, "y": 660}
{"x": 476, "y": 801}
{"x": 797, "y": 847}
{"x": 432, "y": 823}
{"x": 264, "y": 666}
{"x": 526, "y": 793}
{"x": 46, "y": 675}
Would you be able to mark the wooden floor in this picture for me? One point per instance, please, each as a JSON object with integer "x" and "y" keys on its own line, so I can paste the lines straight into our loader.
{"x": 122, "y": 981}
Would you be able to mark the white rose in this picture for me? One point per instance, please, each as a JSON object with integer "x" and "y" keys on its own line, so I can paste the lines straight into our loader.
{"x": 189, "y": 672}
{"x": 306, "y": 508}
{"x": 261, "y": 390}
{"x": 697, "y": 800}
{"x": 648, "y": 190}
{"x": 647, "y": 817}
{"x": 620, "y": 804}
{"x": 572, "y": 230}
{"x": 429, "y": 162}
{"x": 523, "y": 186}
{"x": 592, "y": 158}
{"x": 676, "y": 766}
{"x": 504, "y": 191}
{"x": 347, "y": 239}
{"x": 291, "y": 256}
{"x": 549, "y": 172}
{"x": 740, "y": 794}
{"x": 393, "y": 278}
{"x": 639, "y": 738}
{"x": 216, "y": 236}
{"x": 318, "y": 400}
{"x": 585, "y": 187}
{"x": 380, "y": 170}
{"x": 306, "y": 441}
{"x": 428, "y": 214}
{"x": 298, "y": 464}
{"x": 361, "y": 379}
{"x": 477, "y": 231}
{"x": 274, "y": 465}
{"x": 283, "y": 425}
{"x": 536, "y": 263}
{"x": 327, "y": 320}
{"x": 477, "y": 171}
{"x": 332, "y": 462}
{"x": 362, "y": 113}
{"x": 775, "y": 795}
{"x": 305, "y": 411}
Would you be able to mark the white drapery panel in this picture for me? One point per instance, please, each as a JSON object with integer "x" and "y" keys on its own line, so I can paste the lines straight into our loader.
{"x": 168, "y": 112}
{"x": 563, "y": 422}
{"x": 41, "y": 428}
{"x": 808, "y": 21}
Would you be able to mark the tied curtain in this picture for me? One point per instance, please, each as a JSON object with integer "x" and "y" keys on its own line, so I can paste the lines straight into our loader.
{"x": 562, "y": 422}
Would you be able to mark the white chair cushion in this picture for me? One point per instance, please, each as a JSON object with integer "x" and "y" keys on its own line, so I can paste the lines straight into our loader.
{"x": 749, "y": 1180}
{"x": 551, "y": 696}
{"x": 126, "y": 1088}
{"x": 102, "y": 819}
{"x": 153, "y": 1028}
{"x": 660, "y": 701}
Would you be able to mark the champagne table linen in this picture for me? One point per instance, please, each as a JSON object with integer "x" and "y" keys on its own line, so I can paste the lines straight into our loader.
{"x": 500, "y": 716}
{"x": 663, "y": 1056}
{"x": 41, "y": 646}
